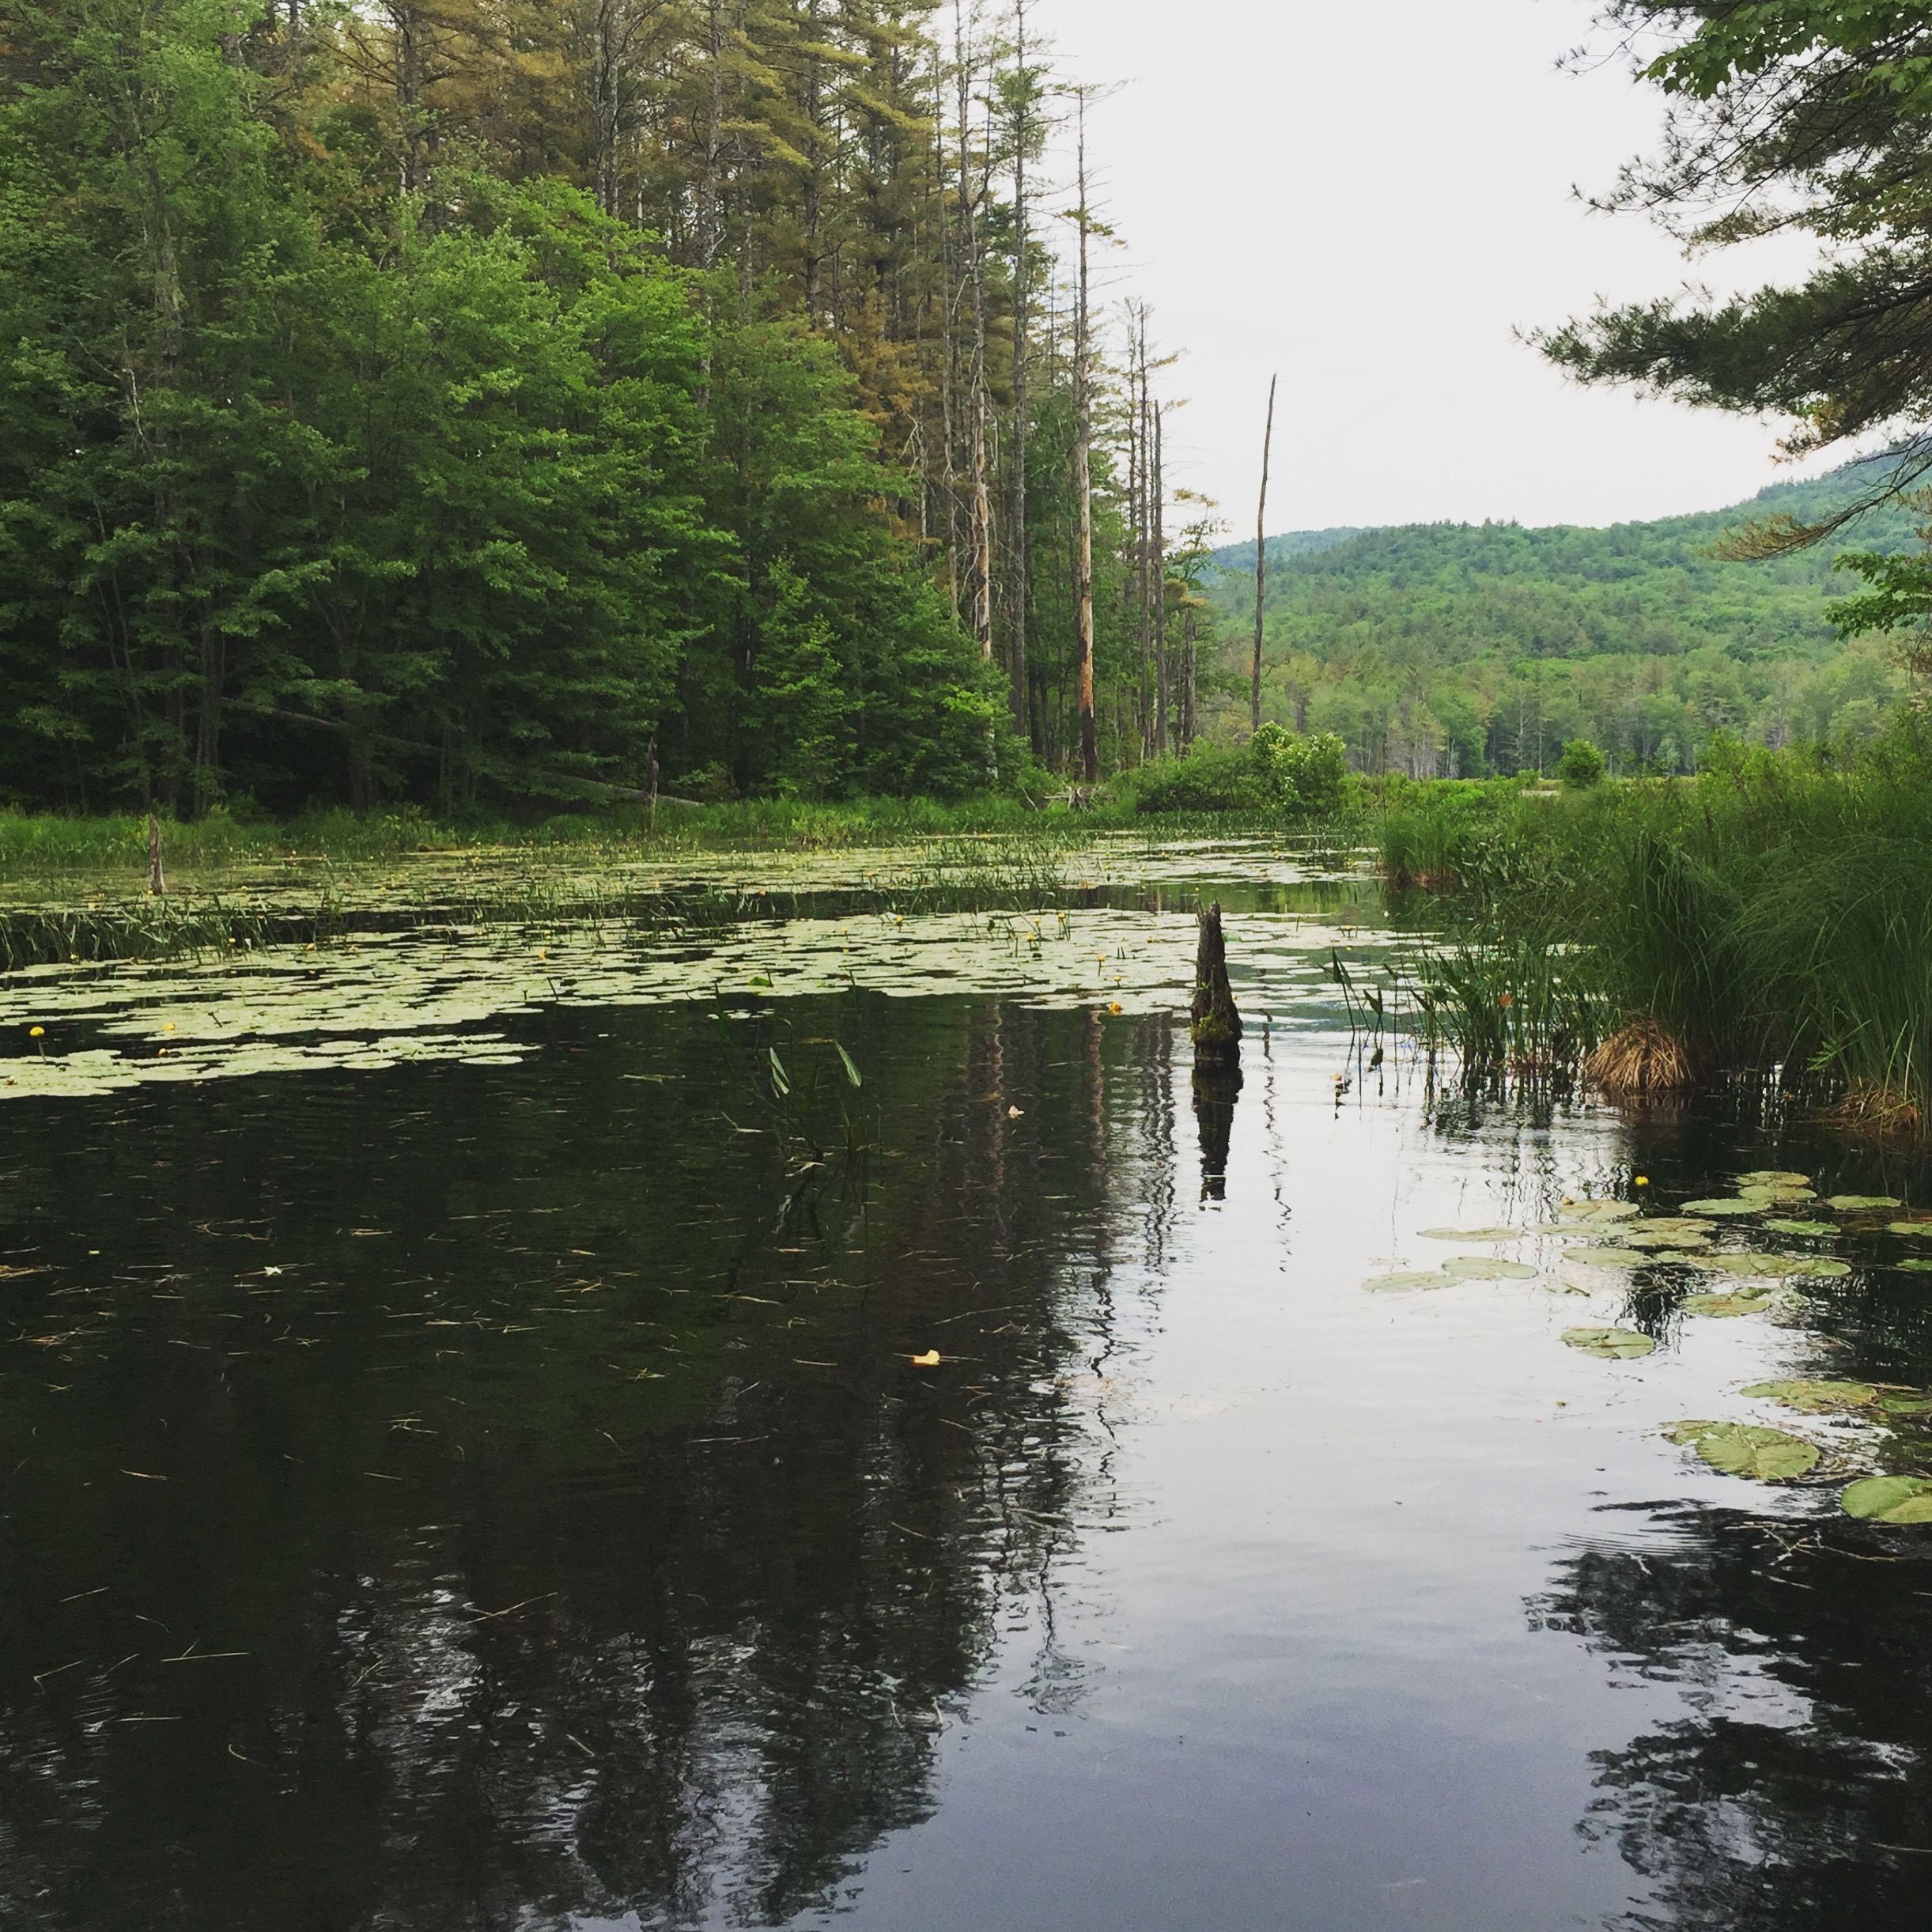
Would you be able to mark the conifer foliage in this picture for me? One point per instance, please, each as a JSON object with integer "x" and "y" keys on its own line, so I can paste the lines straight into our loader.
{"x": 466, "y": 402}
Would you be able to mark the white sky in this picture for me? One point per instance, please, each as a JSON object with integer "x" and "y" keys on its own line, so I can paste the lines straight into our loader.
{"x": 1369, "y": 196}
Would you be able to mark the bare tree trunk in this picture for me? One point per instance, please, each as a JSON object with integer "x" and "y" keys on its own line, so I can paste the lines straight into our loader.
{"x": 1020, "y": 588}
{"x": 1190, "y": 630}
{"x": 156, "y": 885}
{"x": 1083, "y": 481}
{"x": 1160, "y": 596}
{"x": 1261, "y": 562}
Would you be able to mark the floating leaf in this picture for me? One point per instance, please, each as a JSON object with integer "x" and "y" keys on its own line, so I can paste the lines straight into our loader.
{"x": 1484, "y": 1267}
{"x": 1919, "y": 1264}
{"x": 1857, "y": 1204}
{"x": 1737, "y": 1205}
{"x": 1909, "y": 1402}
{"x": 1771, "y": 1266}
{"x": 1676, "y": 1224}
{"x": 1826, "y": 1270}
{"x": 1611, "y": 1344}
{"x": 1889, "y": 1499}
{"x": 1410, "y": 1278}
{"x": 1599, "y": 1210}
{"x": 1802, "y": 1227}
{"x": 1472, "y": 1234}
{"x": 1921, "y": 1229}
{"x": 1773, "y": 1178}
{"x": 1684, "y": 1433}
{"x": 929, "y": 1359}
{"x": 1812, "y": 1396}
{"x": 1609, "y": 1257}
{"x": 1723, "y": 1305}
{"x": 1746, "y": 1449}
{"x": 1675, "y": 1238}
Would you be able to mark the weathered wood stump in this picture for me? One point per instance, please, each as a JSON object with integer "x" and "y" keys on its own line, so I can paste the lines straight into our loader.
{"x": 1216, "y": 1028}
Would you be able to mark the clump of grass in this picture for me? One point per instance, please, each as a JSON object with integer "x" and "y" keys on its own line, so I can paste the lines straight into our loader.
{"x": 1640, "y": 1060}
{"x": 1514, "y": 1001}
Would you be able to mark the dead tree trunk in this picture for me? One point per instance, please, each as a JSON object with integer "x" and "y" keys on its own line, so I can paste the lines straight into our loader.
{"x": 1260, "y": 563}
{"x": 1216, "y": 1028}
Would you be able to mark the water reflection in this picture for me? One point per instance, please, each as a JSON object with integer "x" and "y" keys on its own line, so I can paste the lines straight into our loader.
{"x": 466, "y": 1495}
{"x": 1793, "y": 1791}
{"x": 1216, "y": 1090}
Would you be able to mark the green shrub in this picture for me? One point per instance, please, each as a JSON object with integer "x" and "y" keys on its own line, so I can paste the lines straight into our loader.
{"x": 1581, "y": 765}
{"x": 1209, "y": 778}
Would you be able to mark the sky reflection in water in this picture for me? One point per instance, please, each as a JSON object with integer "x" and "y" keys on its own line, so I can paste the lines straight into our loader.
{"x": 458, "y": 1496}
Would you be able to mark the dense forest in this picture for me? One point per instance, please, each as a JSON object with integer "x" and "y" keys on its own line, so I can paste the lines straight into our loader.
{"x": 1456, "y": 650}
{"x": 550, "y": 399}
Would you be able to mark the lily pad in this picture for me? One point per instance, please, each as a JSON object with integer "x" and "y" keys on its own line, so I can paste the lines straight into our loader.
{"x": 1773, "y": 1178}
{"x": 1812, "y": 1396}
{"x": 1677, "y": 1224}
{"x": 1859, "y": 1204}
{"x": 1681, "y": 1257}
{"x": 1889, "y": 1499}
{"x": 1923, "y": 1229}
{"x": 1826, "y": 1270}
{"x": 1609, "y": 1257}
{"x": 1599, "y": 1210}
{"x": 1674, "y": 1237}
{"x": 1918, "y": 1264}
{"x": 1802, "y": 1227}
{"x": 1745, "y": 1449}
{"x": 1483, "y": 1267}
{"x": 1612, "y": 1344}
{"x": 1739, "y": 1204}
{"x": 1472, "y": 1234}
{"x": 1723, "y": 1305}
{"x": 1906, "y": 1402}
{"x": 1768, "y": 1267}
{"x": 1410, "y": 1278}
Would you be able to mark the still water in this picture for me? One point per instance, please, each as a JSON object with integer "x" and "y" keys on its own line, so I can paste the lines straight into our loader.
{"x": 447, "y": 1496}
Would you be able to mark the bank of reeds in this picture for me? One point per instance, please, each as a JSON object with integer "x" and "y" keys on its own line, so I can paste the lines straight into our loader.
{"x": 1773, "y": 917}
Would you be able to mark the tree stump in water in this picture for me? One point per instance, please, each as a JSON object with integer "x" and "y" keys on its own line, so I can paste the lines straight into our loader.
{"x": 1216, "y": 1028}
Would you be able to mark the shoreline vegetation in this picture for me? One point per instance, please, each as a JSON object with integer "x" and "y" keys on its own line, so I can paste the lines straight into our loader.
{"x": 1769, "y": 920}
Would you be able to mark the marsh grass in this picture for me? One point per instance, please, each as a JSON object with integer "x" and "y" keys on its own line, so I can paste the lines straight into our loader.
{"x": 1772, "y": 921}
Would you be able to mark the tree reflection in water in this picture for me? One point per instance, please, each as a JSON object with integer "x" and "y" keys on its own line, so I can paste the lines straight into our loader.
{"x": 1794, "y": 1795}
{"x": 589, "y": 1539}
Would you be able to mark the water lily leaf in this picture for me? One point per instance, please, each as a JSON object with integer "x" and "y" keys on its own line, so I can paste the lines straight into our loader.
{"x": 1609, "y": 1257}
{"x": 1676, "y": 1224}
{"x": 1826, "y": 1270}
{"x": 1472, "y": 1234}
{"x": 1611, "y": 1344}
{"x": 1923, "y": 1229}
{"x": 1813, "y": 1396}
{"x": 1918, "y": 1264}
{"x": 1737, "y": 1205}
{"x": 1599, "y": 1210}
{"x": 1675, "y": 1238}
{"x": 1723, "y": 1305}
{"x": 1769, "y": 1267}
{"x": 1802, "y": 1227}
{"x": 1774, "y": 1178}
{"x": 1485, "y": 1268}
{"x": 1912, "y": 1402}
{"x": 1687, "y": 1432}
{"x": 1410, "y": 1278}
{"x": 1889, "y": 1499}
{"x": 1764, "y": 1455}
{"x": 1857, "y": 1204}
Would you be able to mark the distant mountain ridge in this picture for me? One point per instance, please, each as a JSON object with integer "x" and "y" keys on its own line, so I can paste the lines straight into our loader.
{"x": 1804, "y": 499}
{"x": 1463, "y": 647}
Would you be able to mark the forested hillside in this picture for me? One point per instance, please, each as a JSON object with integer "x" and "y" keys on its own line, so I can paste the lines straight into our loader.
{"x": 426, "y": 399}
{"x": 1456, "y": 649}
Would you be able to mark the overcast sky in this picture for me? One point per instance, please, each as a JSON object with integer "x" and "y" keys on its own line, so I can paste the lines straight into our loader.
{"x": 1369, "y": 199}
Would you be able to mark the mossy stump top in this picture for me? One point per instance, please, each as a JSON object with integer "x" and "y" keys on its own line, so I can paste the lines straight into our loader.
{"x": 1216, "y": 1028}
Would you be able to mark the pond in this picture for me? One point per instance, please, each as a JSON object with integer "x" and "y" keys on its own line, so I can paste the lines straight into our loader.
{"x": 820, "y": 1418}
